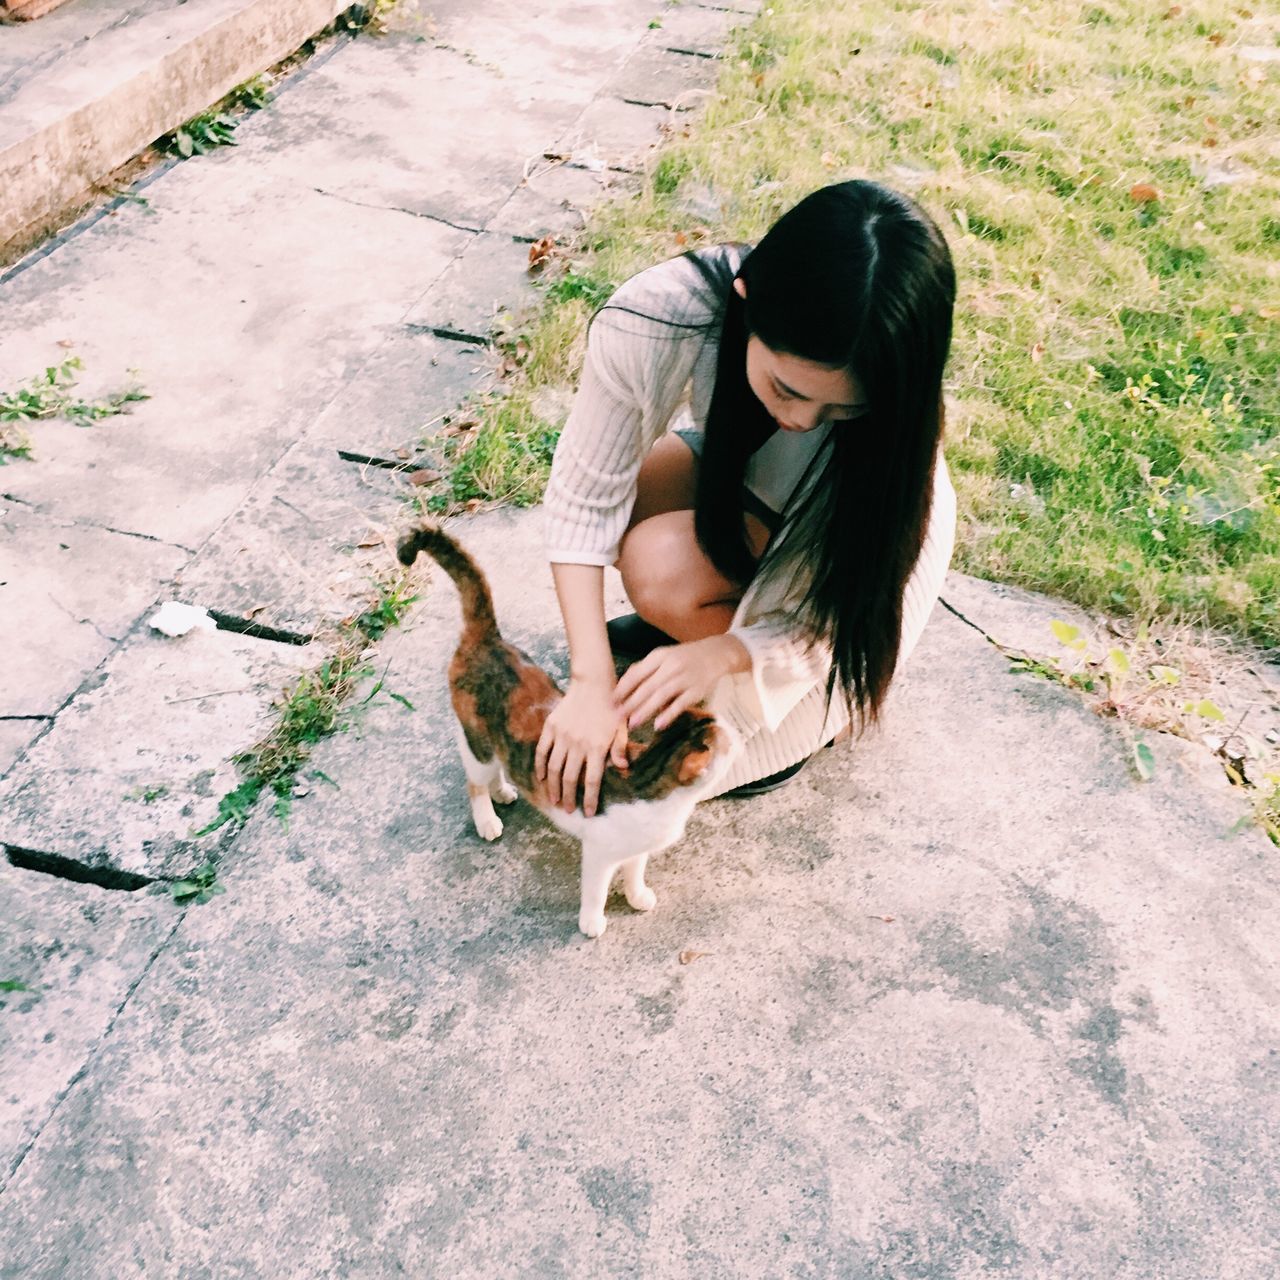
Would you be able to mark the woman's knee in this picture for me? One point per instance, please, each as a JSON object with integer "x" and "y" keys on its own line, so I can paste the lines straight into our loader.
{"x": 665, "y": 572}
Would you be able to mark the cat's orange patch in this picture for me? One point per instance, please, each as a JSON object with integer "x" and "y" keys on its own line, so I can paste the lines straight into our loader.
{"x": 694, "y": 765}
{"x": 530, "y": 703}
{"x": 464, "y": 707}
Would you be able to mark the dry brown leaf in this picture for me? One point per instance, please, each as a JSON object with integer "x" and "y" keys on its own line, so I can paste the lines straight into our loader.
{"x": 1037, "y": 353}
{"x": 829, "y": 160}
{"x": 1173, "y": 11}
{"x": 681, "y": 239}
{"x": 540, "y": 251}
{"x": 473, "y": 504}
{"x": 1209, "y": 142}
{"x": 257, "y": 608}
{"x": 402, "y": 453}
{"x": 688, "y": 957}
{"x": 1216, "y": 37}
{"x": 424, "y": 475}
{"x": 1268, "y": 313}
{"x": 369, "y": 542}
{"x": 1143, "y": 193}
{"x": 65, "y": 342}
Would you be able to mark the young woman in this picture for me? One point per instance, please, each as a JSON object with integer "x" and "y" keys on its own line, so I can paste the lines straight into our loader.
{"x": 755, "y": 446}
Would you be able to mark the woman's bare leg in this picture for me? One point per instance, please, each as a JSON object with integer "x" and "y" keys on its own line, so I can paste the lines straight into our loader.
{"x": 667, "y": 576}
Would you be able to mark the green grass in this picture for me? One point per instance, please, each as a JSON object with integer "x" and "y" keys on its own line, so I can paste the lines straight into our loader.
{"x": 1114, "y": 388}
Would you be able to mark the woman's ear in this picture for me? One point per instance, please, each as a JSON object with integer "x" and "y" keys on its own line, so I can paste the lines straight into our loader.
{"x": 740, "y": 287}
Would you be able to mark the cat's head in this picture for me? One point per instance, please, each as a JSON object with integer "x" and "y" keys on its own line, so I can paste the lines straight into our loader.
{"x": 695, "y": 750}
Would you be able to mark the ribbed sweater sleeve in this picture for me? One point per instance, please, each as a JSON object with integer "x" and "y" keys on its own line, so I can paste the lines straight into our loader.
{"x": 634, "y": 375}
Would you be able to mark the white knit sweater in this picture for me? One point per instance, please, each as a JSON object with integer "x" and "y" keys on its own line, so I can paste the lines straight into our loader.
{"x": 639, "y": 374}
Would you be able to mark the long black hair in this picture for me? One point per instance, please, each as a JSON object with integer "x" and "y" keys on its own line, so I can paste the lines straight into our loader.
{"x": 855, "y": 277}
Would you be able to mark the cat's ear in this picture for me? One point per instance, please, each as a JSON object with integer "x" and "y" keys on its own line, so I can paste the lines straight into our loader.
{"x": 634, "y": 751}
{"x": 693, "y": 766}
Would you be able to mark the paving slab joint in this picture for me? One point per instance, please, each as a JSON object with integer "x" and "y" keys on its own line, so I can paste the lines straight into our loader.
{"x": 53, "y": 864}
{"x": 257, "y": 630}
{"x": 450, "y": 335}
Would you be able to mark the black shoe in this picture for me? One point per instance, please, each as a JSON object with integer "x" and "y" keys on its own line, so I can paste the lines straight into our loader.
{"x": 771, "y": 783}
{"x": 632, "y": 637}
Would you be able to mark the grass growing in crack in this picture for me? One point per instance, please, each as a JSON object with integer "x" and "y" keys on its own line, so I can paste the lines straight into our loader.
{"x": 49, "y": 395}
{"x": 198, "y": 887}
{"x": 312, "y": 709}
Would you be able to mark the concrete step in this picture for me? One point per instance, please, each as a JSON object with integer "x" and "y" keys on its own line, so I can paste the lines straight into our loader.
{"x": 90, "y": 86}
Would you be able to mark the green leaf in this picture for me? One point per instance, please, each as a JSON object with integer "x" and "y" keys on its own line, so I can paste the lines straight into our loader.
{"x": 1209, "y": 710}
{"x": 1065, "y": 631}
{"x": 12, "y": 984}
{"x": 1166, "y": 675}
{"x": 400, "y": 698}
{"x": 1119, "y": 661}
{"x": 1144, "y": 761}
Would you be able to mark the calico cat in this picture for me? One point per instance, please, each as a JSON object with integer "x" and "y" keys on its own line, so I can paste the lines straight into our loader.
{"x": 502, "y": 699}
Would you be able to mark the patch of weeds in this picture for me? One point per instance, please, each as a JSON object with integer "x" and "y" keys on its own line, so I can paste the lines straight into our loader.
{"x": 572, "y": 285}
{"x": 199, "y": 886}
{"x": 670, "y": 171}
{"x": 201, "y": 134}
{"x": 311, "y": 710}
{"x": 49, "y": 396}
{"x": 8, "y": 985}
{"x": 253, "y": 95}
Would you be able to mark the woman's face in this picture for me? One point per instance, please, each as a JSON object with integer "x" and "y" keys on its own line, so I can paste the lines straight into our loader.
{"x": 798, "y": 394}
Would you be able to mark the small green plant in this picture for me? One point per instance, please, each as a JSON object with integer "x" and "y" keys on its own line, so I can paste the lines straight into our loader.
{"x": 203, "y": 133}
{"x": 12, "y": 984}
{"x": 48, "y": 395}
{"x": 199, "y": 886}
{"x": 311, "y": 710}
{"x": 253, "y": 95}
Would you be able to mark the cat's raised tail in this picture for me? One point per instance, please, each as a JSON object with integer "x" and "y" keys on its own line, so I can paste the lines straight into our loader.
{"x": 477, "y": 602}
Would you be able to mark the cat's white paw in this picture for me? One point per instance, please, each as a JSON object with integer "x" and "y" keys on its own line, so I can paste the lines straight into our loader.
{"x": 488, "y": 826}
{"x": 503, "y": 792}
{"x": 643, "y": 899}
{"x": 592, "y": 926}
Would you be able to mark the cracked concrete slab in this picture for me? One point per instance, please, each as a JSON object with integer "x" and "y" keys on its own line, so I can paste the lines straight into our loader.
{"x": 556, "y": 198}
{"x": 698, "y": 30}
{"x": 76, "y": 951}
{"x": 489, "y": 277}
{"x": 303, "y": 551}
{"x": 616, "y": 132}
{"x": 571, "y": 44}
{"x": 15, "y": 737}
{"x": 1013, "y": 1015}
{"x": 244, "y": 303}
{"x": 68, "y": 594}
{"x": 655, "y": 77}
{"x": 410, "y": 383}
{"x": 400, "y": 124}
{"x": 140, "y": 758}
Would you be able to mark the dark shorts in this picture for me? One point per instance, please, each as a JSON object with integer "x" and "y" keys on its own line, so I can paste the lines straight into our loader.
{"x": 751, "y": 503}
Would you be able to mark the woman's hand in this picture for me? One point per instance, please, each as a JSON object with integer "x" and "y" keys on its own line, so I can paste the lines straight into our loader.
{"x": 676, "y": 677}
{"x": 583, "y": 732}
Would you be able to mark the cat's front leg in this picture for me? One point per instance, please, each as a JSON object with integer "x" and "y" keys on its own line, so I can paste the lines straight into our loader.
{"x": 639, "y": 895}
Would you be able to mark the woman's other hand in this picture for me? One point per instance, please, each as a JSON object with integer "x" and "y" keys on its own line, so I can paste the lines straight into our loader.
{"x": 674, "y": 678}
{"x": 583, "y": 733}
